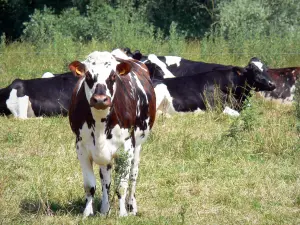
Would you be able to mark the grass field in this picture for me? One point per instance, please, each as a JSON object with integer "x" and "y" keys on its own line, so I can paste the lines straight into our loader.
{"x": 195, "y": 168}
{"x": 192, "y": 172}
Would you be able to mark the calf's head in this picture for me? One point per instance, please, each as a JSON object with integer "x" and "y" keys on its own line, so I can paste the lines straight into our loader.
{"x": 258, "y": 75}
{"x": 98, "y": 77}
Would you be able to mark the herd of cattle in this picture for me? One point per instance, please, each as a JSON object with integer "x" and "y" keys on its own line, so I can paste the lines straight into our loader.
{"x": 181, "y": 85}
{"x": 112, "y": 98}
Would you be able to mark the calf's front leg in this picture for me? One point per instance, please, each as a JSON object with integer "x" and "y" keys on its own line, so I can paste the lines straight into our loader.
{"x": 105, "y": 175}
{"x": 89, "y": 179}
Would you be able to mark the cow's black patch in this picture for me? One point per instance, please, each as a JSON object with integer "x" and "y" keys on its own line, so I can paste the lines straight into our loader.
{"x": 129, "y": 207}
{"x": 118, "y": 194}
{"x": 108, "y": 167}
{"x": 89, "y": 80}
{"x": 92, "y": 191}
{"x": 93, "y": 136}
{"x": 78, "y": 138}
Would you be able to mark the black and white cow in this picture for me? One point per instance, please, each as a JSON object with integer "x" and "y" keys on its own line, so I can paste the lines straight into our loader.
{"x": 220, "y": 87}
{"x": 38, "y": 97}
{"x": 175, "y": 66}
{"x": 183, "y": 85}
{"x": 113, "y": 105}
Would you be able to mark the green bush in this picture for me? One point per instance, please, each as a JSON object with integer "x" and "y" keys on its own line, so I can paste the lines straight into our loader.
{"x": 42, "y": 26}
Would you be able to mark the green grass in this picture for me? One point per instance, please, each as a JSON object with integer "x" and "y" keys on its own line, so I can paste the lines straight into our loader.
{"x": 195, "y": 168}
{"x": 190, "y": 172}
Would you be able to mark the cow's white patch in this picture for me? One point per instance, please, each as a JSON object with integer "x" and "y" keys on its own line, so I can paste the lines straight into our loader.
{"x": 164, "y": 101}
{"x": 119, "y": 54}
{"x": 140, "y": 86}
{"x": 47, "y": 75}
{"x": 199, "y": 111}
{"x": 167, "y": 74}
{"x": 258, "y": 64}
{"x": 171, "y": 60}
{"x": 89, "y": 207}
{"x": 20, "y": 107}
{"x": 230, "y": 112}
{"x": 97, "y": 57}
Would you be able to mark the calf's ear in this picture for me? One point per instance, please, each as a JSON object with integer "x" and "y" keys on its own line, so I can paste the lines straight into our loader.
{"x": 239, "y": 70}
{"x": 77, "y": 68}
{"x": 123, "y": 68}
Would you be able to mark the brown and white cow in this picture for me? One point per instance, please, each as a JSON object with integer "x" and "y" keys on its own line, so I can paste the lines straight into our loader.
{"x": 285, "y": 81}
{"x": 113, "y": 106}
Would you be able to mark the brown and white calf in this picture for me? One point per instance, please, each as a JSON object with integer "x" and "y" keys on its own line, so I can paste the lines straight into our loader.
{"x": 112, "y": 106}
{"x": 285, "y": 80}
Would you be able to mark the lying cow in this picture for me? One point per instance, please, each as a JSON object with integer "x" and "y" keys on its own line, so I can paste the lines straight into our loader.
{"x": 176, "y": 66}
{"x": 182, "y": 85}
{"x": 285, "y": 81}
{"x": 38, "y": 97}
{"x": 229, "y": 86}
{"x": 113, "y": 104}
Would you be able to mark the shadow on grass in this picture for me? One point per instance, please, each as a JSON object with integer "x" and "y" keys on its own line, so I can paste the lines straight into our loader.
{"x": 75, "y": 207}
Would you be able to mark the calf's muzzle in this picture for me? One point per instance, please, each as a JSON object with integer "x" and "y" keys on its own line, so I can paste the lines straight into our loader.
{"x": 100, "y": 101}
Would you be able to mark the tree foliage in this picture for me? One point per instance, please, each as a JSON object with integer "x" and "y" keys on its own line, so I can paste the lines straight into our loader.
{"x": 95, "y": 19}
{"x": 256, "y": 17}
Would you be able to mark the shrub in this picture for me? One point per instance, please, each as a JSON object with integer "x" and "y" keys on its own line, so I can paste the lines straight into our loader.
{"x": 42, "y": 26}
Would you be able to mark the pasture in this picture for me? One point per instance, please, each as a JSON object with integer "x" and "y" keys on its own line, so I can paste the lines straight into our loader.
{"x": 204, "y": 168}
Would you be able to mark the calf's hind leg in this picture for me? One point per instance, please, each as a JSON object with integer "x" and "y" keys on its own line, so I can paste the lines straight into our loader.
{"x": 124, "y": 177}
{"x": 132, "y": 205}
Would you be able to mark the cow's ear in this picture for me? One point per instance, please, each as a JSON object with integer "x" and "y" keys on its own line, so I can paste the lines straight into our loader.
{"x": 239, "y": 70}
{"x": 137, "y": 55}
{"x": 77, "y": 68}
{"x": 123, "y": 68}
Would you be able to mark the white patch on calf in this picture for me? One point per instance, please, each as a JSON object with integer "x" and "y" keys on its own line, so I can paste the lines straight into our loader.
{"x": 120, "y": 54}
{"x": 20, "y": 107}
{"x": 167, "y": 74}
{"x": 170, "y": 60}
{"x": 97, "y": 57}
{"x": 47, "y": 75}
{"x": 258, "y": 64}
{"x": 138, "y": 82}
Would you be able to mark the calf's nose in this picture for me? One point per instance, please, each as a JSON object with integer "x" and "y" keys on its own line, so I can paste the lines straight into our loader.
{"x": 100, "y": 101}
